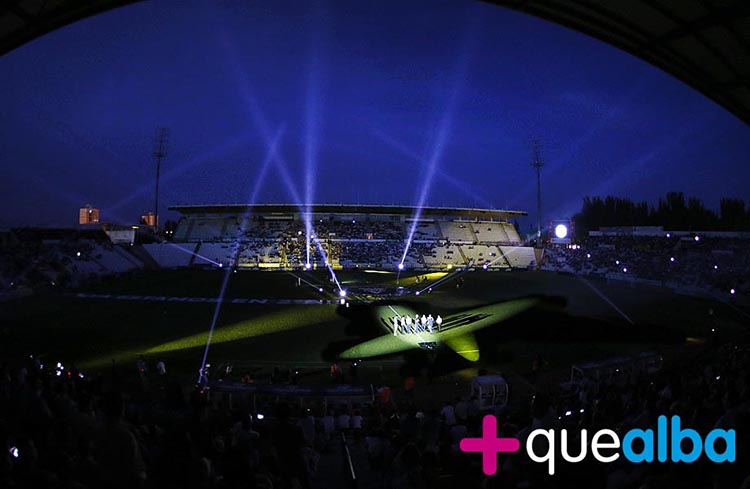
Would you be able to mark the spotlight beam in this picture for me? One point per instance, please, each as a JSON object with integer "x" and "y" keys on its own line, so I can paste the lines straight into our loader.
{"x": 312, "y": 285}
{"x": 431, "y": 165}
{"x": 443, "y": 280}
{"x": 272, "y": 150}
{"x": 197, "y": 255}
{"x": 310, "y": 150}
{"x": 179, "y": 171}
{"x": 441, "y": 138}
{"x": 328, "y": 265}
{"x": 311, "y": 146}
{"x": 458, "y": 184}
{"x": 310, "y": 154}
{"x": 605, "y": 298}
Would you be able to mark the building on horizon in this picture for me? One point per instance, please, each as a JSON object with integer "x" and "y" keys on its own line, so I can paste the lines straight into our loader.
{"x": 149, "y": 219}
{"x": 88, "y": 215}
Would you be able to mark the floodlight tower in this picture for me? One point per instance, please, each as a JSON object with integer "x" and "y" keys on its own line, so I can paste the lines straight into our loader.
{"x": 538, "y": 164}
{"x": 160, "y": 152}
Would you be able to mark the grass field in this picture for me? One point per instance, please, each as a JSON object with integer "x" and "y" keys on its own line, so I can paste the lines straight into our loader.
{"x": 572, "y": 323}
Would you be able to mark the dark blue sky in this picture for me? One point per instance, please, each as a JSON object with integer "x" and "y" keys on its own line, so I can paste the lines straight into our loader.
{"x": 377, "y": 98}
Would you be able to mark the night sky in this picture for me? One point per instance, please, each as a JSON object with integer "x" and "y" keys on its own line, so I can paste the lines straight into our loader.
{"x": 382, "y": 101}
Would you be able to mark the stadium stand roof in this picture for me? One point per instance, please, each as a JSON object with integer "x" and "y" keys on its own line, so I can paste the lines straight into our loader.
{"x": 704, "y": 43}
{"x": 22, "y": 21}
{"x": 266, "y": 209}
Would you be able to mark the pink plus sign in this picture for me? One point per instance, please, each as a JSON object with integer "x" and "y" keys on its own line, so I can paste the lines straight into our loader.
{"x": 489, "y": 445}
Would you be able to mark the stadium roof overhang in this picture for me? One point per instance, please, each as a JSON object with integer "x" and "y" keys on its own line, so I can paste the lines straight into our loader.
{"x": 284, "y": 209}
{"x": 704, "y": 43}
{"x": 22, "y": 21}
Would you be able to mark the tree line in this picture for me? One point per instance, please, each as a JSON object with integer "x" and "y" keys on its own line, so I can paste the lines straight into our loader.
{"x": 674, "y": 212}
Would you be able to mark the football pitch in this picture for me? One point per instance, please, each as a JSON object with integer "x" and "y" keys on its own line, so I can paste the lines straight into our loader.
{"x": 295, "y": 319}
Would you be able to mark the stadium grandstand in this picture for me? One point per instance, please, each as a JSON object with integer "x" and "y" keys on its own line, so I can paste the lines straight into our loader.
{"x": 40, "y": 257}
{"x": 687, "y": 261}
{"x": 269, "y": 237}
{"x": 347, "y": 237}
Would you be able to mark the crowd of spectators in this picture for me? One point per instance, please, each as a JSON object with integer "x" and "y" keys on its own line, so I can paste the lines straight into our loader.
{"x": 59, "y": 429}
{"x": 416, "y": 446}
{"x": 66, "y": 260}
{"x": 708, "y": 263}
{"x": 59, "y": 258}
{"x": 72, "y": 431}
{"x": 349, "y": 243}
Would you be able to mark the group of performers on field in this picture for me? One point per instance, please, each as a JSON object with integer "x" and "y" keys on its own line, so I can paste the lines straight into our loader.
{"x": 407, "y": 324}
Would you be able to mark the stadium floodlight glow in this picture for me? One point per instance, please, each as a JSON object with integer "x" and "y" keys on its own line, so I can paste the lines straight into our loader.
{"x": 342, "y": 293}
{"x": 342, "y": 301}
{"x": 669, "y": 235}
{"x": 400, "y": 266}
{"x": 320, "y": 289}
{"x": 671, "y": 259}
{"x": 308, "y": 266}
{"x": 716, "y": 267}
{"x": 78, "y": 254}
{"x": 417, "y": 293}
{"x": 588, "y": 255}
{"x": 617, "y": 262}
{"x": 625, "y": 270}
{"x": 484, "y": 266}
{"x": 697, "y": 238}
{"x": 561, "y": 231}
{"x": 732, "y": 291}
{"x": 221, "y": 265}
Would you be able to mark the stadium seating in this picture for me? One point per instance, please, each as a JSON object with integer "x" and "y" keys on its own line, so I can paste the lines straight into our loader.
{"x": 208, "y": 229}
{"x": 442, "y": 255}
{"x": 715, "y": 264}
{"x": 510, "y": 230}
{"x": 490, "y": 232}
{"x": 428, "y": 231}
{"x": 212, "y": 253}
{"x": 351, "y": 243}
{"x": 481, "y": 254}
{"x": 171, "y": 255}
{"x": 114, "y": 259}
{"x": 519, "y": 256}
{"x": 457, "y": 231}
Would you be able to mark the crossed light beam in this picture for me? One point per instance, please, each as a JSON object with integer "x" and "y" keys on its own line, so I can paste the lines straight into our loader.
{"x": 599, "y": 124}
{"x": 431, "y": 165}
{"x": 305, "y": 208}
{"x": 311, "y": 148}
{"x": 180, "y": 170}
{"x": 447, "y": 177}
{"x": 270, "y": 156}
{"x": 438, "y": 143}
{"x": 310, "y": 156}
{"x": 690, "y": 132}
